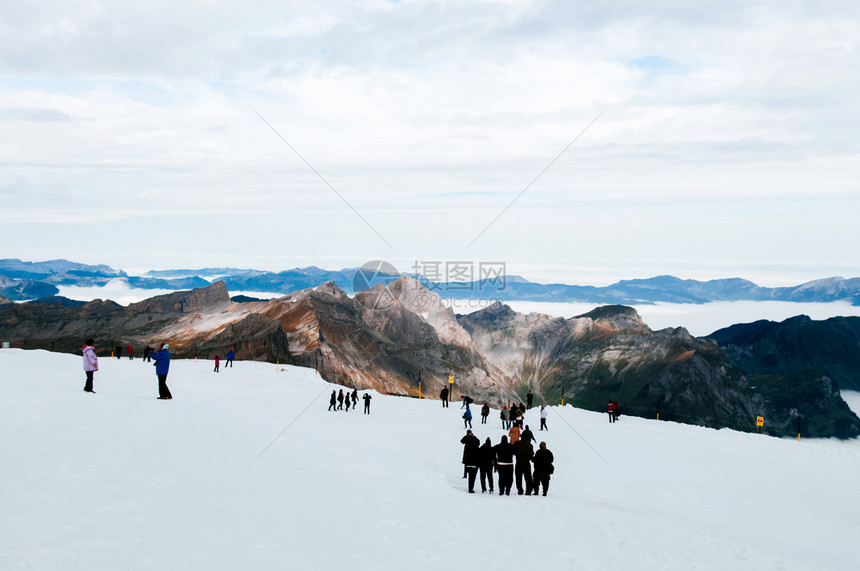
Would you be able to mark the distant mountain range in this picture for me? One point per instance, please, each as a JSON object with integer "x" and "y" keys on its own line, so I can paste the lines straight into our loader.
{"x": 21, "y": 281}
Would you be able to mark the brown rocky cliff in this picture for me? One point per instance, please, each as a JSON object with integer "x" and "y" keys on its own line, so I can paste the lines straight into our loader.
{"x": 184, "y": 301}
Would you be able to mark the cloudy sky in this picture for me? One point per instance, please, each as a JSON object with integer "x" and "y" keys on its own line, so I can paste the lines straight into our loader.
{"x": 718, "y": 139}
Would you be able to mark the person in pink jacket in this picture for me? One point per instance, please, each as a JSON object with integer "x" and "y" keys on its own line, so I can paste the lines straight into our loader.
{"x": 91, "y": 364}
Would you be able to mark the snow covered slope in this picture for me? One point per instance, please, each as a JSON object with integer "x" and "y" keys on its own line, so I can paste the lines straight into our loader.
{"x": 120, "y": 480}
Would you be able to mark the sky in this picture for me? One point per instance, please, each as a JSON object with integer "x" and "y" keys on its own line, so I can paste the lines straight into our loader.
{"x": 574, "y": 142}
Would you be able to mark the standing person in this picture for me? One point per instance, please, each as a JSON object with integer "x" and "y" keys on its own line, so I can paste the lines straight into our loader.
{"x": 162, "y": 366}
{"x": 347, "y": 400}
{"x": 467, "y": 418}
{"x": 332, "y": 403}
{"x": 229, "y": 356}
{"x": 367, "y": 398}
{"x": 524, "y": 453}
{"x": 118, "y": 350}
{"x": 470, "y": 444}
{"x": 543, "y": 468}
{"x": 340, "y": 400}
{"x": 527, "y": 435}
{"x": 610, "y": 408}
{"x": 543, "y": 415}
{"x": 486, "y": 461}
{"x": 521, "y": 415}
{"x": 514, "y": 434}
{"x": 147, "y": 351}
{"x": 505, "y": 465}
{"x": 354, "y": 398}
{"x": 485, "y": 412}
{"x": 616, "y": 410}
{"x": 512, "y": 414}
{"x": 529, "y": 398}
{"x": 504, "y": 415}
{"x": 444, "y": 396}
{"x": 91, "y": 364}
{"x": 130, "y": 350}
{"x": 217, "y": 362}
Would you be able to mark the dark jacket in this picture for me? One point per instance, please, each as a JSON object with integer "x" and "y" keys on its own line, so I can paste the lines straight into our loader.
{"x": 486, "y": 456}
{"x": 504, "y": 452}
{"x": 524, "y": 451}
{"x": 543, "y": 461}
{"x": 470, "y": 444}
{"x": 527, "y": 435}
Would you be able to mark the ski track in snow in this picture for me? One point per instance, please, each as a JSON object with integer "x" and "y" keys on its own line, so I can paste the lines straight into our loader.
{"x": 121, "y": 480}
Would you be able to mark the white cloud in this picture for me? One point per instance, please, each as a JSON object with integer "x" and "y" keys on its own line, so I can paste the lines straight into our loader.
{"x": 735, "y": 122}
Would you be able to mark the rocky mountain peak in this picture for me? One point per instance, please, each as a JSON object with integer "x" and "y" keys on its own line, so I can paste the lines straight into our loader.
{"x": 184, "y": 301}
{"x": 619, "y": 317}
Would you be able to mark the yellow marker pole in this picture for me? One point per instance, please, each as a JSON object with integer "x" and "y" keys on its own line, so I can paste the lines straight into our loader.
{"x": 658, "y": 416}
{"x": 277, "y": 363}
{"x": 419, "y": 390}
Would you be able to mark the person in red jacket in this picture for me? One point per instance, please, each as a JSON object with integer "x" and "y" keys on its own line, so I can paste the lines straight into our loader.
{"x": 610, "y": 408}
{"x": 217, "y": 362}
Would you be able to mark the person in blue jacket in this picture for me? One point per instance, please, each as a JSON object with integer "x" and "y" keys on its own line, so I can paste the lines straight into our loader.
{"x": 162, "y": 366}
{"x": 467, "y": 418}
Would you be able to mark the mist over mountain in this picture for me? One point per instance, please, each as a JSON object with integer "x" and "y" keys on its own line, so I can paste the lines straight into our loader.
{"x": 30, "y": 280}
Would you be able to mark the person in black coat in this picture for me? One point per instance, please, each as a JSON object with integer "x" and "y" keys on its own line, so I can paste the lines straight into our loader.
{"x": 505, "y": 465}
{"x": 486, "y": 461}
{"x": 444, "y": 396}
{"x": 333, "y": 401}
{"x": 524, "y": 452}
{"x": 367, "y": 398}
{"x": 485, "y": 412}
{"x": 529, "y": 398}
{"x": 527, "y": 435}
{"x": 340, "y": 400}
{"x": 543, "y": 468}
{"x": 471, "y": 457}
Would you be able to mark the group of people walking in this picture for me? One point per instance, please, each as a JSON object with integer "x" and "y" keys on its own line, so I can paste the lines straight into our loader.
{"x": 162, "y": 366}
{"x": 486, "y": 458}
{"x": 513, "y": 457}
{"x": 339, "y": 399}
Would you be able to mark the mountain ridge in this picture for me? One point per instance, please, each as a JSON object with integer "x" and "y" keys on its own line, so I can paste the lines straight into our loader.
{"x": 30, "y": 280}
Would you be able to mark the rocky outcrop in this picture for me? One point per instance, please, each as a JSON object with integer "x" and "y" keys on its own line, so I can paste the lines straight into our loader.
{"x": 770, "y": 348}
{"x": 184, "y": 301}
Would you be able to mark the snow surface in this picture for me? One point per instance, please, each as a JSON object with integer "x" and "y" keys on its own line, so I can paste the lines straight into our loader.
{"x": 121, "y": 480}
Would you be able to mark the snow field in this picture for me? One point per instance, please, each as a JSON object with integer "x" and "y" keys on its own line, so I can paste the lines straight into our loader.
{"x": 121, "y": 480}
